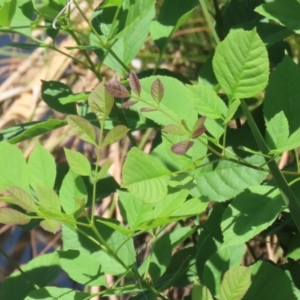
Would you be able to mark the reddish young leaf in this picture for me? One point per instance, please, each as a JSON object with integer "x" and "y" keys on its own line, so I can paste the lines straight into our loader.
{"x": 174, "y": 129}
{"x": 117, "y": 89}
{"x": 134, "y": 83}
{"x": 198, "y": 128}
{"x": 157, "y": 90}
{"x": 147, "y": 109}
{"x": 182, "y": 147}
{"x": 128, "y": 104}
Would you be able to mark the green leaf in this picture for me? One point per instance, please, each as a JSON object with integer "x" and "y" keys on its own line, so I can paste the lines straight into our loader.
{"x": 52, "y": 292}
{"x": 82, "y": 267}
{"x": 78, "y": 163}
{"x": 233, "y": 107}
{"x": 293, "y": 142}
{"x": 21, "y": 198}
{"x": 218, "y": 264}
{"x": 235, "y": 284}
{"x": 126, "y": 34}
{"x": 285, "y": 12}
{"x": 294, "y": 248}
{"x": 172, "y": 14}
{"x": 52, "y": 226}
{"x": 277, "y": 131}
{"x": 42, "y": 270}
{"x": 14, "y": 170}
{"x": 250, "y": 213}
{"x": 25, "y": 46}
{"x": 74, "y": 98}
{"x": 19, "y": 133}
{"x": 141, "y": 215}
{"x": 20, "y": 14}
{"x": 241, "y": 64}
{"x": 110, "y": 3}
{"x": 282, "y": 93}
{"x": 206, "y": 102}
{"x": 11, "y": 216}
{"x": 83, "y": 129}
{"x": 200, "y": 291}
{"x": 7, "y": 11}
{"x": 215, "y": 127}
{"x": 42, "y": 168}
{"x": 269, "y": 282}
{"x": 73, "y": 193}
{"x": 227, "y": 179}
{"x": 144, "y": 177}
{"x": 48, "y": 199}
{"x": 160, "y": 257}
{"x": 115, "y": 134}
{"x": 174, "y": 129}
{"x": 119, "y": 243}
{"x": 50, "y": 9}
{"x": 103, "y": 170}
{"x": 101, "y": 102}
{"x": 176, "y": 102}
{"x": 52, "y": 91}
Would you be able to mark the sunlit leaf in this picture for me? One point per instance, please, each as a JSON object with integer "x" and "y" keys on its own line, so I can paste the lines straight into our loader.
{"x": 144, "y": 177}
{"x": 21, "y": 198}
{"x": 206, "y": 101}
{"x": 48, "y": 199}
{"x": 83, "y": 129}
{"x": 200, "y": 291}
{"x": 115, "y": 134}
{"x": 78, "y": 163}
{"x": 51, "y": 225}
{"x": 235, "y": 284}
{"x": 12, "y": 216}
{"x": 241, "y": 64}
{"x": 42, "y": 167}
{"x": 101, "y": 102}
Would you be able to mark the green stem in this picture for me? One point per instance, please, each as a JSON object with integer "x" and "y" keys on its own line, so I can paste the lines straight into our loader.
{"x": 209, "y": 21}
{"x": 286, "y": 192}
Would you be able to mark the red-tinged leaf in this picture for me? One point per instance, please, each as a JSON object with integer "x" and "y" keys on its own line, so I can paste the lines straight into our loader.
{"x": 21, "y": 198}
{"x": 11, "y": 216}
{"x": 115, "y": 134}
{"x": 174, "y": 129}
{"x": 198, "y": 128}
{"x": 128, "y": 104}
{"x": 117, "y": 89}
{"x": 198, "y": 132}
{"x": 147, "y": 109}
{"x": 182, "y": 147}
{"x": 51, "y": 225}
{"x": 157, "y": 90}
{"x": 134, "y": 83}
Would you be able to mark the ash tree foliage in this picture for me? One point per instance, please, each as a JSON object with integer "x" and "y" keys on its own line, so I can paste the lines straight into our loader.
{"x": 215, "y": 163}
